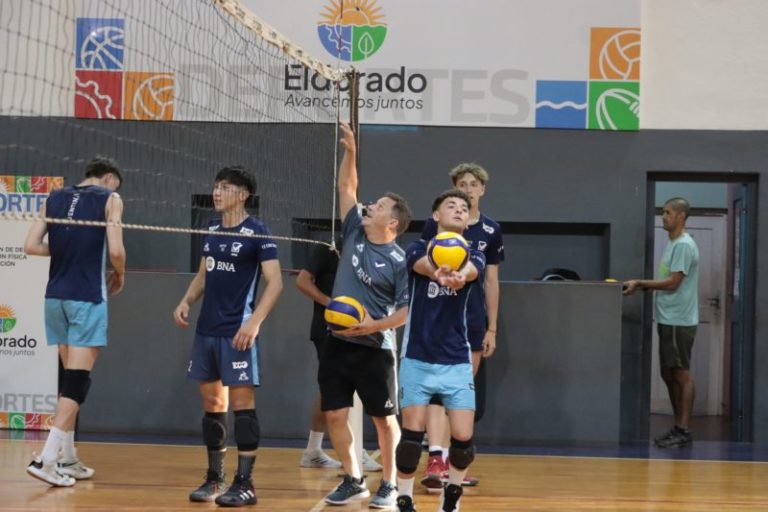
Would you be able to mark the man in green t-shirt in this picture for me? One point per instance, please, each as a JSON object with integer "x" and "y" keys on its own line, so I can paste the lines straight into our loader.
{"x": 676, "y": 311}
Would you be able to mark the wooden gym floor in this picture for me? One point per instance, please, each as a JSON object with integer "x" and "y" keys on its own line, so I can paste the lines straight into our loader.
{"x": 159, "y": 477}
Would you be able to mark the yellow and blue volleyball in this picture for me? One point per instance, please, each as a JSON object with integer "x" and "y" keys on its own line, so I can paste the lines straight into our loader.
{"x": 343, "y": 312}
{"x": 448, "y": 248}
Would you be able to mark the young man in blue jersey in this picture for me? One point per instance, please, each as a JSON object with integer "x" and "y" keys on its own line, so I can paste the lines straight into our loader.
{"x": 437, "y": 355}
{"x": 483, "y": 234}
{"x": 225, "y": 353}
{"x": 76, "y": 301}
{"x": 362, "y": 359}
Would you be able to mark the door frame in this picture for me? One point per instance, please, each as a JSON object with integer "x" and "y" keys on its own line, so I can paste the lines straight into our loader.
{"x": 742, "y": 403}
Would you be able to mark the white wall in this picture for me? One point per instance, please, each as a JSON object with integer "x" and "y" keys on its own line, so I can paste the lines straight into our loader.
{"x": 704, "y": 64}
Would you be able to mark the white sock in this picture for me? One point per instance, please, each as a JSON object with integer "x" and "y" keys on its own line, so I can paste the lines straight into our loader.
{"x": 445, "y": 454}
{"x": 456, "y": 476}
{"x": 56, "y": 437}
{"x": 68, "y": 451}
{"x": 315, "y": 441}
{"x": 405, "y": 486}
{"x": 435, "y": 448}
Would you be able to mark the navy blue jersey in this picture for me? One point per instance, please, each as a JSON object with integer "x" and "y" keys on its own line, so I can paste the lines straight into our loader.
{"x": 78, "y": 253}
{"x": 484, "y": 236}
{"x": 232, "y": 272}
{"x": 437, "y": 329}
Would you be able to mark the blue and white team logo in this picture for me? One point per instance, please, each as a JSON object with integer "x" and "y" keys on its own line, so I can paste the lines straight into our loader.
{"x": 236, "y": 246}
{"x": 481, "y": 245}
{"x": 207, "y": 247}
{"x": 100, "y": 44}
{"x": 355, "y": 261}
{"x": 360, "y": 247}
{"x": 210, "y": 263}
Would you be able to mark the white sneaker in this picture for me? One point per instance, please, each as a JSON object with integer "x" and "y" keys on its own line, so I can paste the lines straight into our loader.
{"x": 369, "y": 464}
{"x": 76, "y": 470}
{"x": 48, "y": 473}
{"x": 318, "y": 459}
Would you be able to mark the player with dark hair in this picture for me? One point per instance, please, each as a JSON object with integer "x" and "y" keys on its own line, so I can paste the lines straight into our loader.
{"x": 225, "y": 352}
{"x": 437, "y": 355}
{"x": 362, "y": 359}
{"x": 483, "y": 234}
{"x": 76, "y": 301}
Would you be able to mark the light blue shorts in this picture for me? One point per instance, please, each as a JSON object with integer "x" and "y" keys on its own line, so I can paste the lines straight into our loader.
{"x": 213, "y": 358}
{"x": 420, "y": 381}
{"x": 76, "y": 323}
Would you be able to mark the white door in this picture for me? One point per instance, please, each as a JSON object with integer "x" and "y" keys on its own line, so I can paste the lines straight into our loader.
{"x": 707, "y": 363}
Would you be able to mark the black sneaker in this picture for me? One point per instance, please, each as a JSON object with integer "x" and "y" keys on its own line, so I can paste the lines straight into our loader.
{"x": 347, "y": 491}
{"x": 449, "y": 500}
{"x": 664, "y": 436}
{"x": 405, "y": 504}
{"x": 210, "y": 489}
{"x": 675, "y": 438}
{"x": 239, "y": 494}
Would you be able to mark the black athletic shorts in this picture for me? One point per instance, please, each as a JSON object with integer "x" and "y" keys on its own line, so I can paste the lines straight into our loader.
{"x": 348, "y": 367}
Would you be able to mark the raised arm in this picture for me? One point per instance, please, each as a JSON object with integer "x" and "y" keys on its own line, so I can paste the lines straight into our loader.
{"x": 114, "y": 216}
{"x": 347, "y": 183}
{"x": 34, "y": 244}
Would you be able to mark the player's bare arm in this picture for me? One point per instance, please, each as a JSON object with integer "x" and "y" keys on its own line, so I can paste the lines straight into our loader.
{"x": 492, "y": 308}
{"x": 34, "y": 245}
{"x": 273, "y": 279}
{"x": 194, "y": 292}
{"x": 671, "y": 283}
{"x": 305, "y": 282}
{"x": 114, "y": 215}
{"x": 369, "y": 325}
{"x": 347, "y": 182}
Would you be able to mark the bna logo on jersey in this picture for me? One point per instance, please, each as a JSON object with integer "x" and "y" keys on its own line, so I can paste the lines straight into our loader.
{"x": 352, "y": 30}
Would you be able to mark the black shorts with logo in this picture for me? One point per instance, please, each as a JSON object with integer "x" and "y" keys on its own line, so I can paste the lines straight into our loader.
{"x": 347, "y": 367}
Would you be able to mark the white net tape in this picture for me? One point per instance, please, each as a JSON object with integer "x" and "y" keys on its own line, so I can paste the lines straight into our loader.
{"x": 147, "y": 227}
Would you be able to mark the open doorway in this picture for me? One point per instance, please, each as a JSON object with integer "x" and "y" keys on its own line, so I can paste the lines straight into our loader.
{"x": 722, "y": 224}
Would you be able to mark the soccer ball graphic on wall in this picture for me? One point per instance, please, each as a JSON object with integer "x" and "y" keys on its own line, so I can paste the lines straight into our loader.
{"x": 354, "y": 33}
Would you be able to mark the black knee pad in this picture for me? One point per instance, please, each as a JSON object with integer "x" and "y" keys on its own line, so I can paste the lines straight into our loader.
{"x": 408, "y": 451}
{"x": 247, "y": 430}
{"x": 75, "y": 385}
{"x": 215, "y": 430}
{"x": 461, "y": 454}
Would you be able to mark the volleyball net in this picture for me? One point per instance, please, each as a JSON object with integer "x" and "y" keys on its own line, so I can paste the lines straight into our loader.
{"x": 173, "y": 90}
